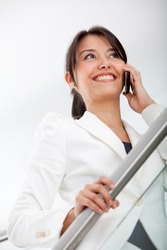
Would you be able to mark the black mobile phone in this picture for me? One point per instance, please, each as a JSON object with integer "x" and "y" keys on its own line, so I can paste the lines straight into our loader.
{"x": 127, "y": 81}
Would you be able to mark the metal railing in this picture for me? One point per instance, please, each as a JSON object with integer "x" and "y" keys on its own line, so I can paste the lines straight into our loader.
{"x": 3, "y": 235}
{"x": 134, "y": 160}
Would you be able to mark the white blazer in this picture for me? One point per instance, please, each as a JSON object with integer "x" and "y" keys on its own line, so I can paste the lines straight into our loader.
{"x": 68, "y": 154}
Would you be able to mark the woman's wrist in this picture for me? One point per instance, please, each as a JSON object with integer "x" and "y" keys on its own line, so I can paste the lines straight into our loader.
{"x": 150, "y": 102}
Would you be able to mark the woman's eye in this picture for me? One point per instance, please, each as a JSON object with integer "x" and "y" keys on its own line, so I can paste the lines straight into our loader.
{"x": 113, "y": 55}
{"x": 89, "y": 56}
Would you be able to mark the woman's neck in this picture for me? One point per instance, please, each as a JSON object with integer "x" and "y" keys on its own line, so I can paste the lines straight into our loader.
{"x": 108, "y": 113}
{"x": 111, "y": 116}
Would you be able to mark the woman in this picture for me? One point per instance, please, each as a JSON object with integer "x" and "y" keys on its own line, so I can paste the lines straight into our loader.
{"x": 75, "y": 157}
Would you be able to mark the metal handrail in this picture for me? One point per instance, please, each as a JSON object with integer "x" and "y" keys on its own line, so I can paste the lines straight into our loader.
{"x": 134, "y": 160}
{"x": 3, "y": 235}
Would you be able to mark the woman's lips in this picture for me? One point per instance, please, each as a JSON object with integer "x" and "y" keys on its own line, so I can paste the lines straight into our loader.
{"x": 104, "y": 77}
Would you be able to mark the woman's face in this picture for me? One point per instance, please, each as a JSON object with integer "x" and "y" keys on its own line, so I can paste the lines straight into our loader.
{"x": 98, "y": 72}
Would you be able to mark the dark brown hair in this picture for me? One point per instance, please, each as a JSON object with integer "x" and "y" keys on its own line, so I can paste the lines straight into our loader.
{"x": 78, "y": 105}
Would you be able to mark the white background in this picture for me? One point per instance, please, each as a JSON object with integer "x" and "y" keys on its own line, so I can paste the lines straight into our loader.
{"x": 34, "y": 36}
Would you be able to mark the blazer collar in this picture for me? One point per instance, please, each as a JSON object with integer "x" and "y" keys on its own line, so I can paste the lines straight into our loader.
{"x": 100, "y": 130}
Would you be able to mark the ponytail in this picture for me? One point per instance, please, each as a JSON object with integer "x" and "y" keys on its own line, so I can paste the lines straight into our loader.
{"x": 78, "y": 105}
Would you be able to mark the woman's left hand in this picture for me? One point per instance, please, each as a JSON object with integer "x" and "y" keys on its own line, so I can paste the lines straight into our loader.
{"x": 138, "y": 99}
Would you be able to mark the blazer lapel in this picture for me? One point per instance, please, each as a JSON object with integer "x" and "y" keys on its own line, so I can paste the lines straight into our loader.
{"x": 134, "y": 136}
{"x": 97, "y": 128}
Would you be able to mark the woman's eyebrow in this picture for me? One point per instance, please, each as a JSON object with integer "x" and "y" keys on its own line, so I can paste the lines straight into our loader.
{"x": 93, "y": 50}
{"x": 86, "y": 51}
{"x": 110, "y": 50}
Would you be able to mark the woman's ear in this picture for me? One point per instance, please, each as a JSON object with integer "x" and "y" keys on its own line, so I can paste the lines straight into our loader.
{"x": 69, "y": 80}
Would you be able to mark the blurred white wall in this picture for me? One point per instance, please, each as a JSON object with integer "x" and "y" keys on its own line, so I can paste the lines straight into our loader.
{"x": 34, "y": 36}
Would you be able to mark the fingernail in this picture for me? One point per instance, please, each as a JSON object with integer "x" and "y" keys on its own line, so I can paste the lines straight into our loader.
{"x": 106, "y": 209}
{"x": 100, "y": 211}
{"x": 114, "y": 205}
{"x": 110, "y": 203}
{"x": 112, "y": 186}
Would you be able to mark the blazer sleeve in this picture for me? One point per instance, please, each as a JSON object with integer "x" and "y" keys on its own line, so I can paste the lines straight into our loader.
{"x": 33, "y": 221}
{"x": 150, "y": 114}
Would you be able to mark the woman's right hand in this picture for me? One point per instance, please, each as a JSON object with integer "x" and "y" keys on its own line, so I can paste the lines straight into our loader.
{"x": 91, "y": 195}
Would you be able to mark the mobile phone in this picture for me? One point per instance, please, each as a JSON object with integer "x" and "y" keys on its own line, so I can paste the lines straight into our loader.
{"x": 127, "y": 81}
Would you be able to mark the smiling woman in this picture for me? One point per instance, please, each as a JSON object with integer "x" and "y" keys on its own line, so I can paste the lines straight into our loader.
{"x": 99, "y": 65}
{"x": 74, "y": 158}
{"x": 87, "y": 51}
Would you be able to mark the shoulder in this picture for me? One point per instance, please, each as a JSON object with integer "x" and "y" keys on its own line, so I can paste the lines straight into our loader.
{"x": 52, "y": 124}
{"x": 54, "y": 118}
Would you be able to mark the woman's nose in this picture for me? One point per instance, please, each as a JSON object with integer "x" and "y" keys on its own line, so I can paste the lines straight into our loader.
{"x": 104, "y": 64}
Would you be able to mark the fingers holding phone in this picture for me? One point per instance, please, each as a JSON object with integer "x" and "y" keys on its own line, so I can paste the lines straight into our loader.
{"x": 132, "y": 80}
{"x": 138, "y": 98}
